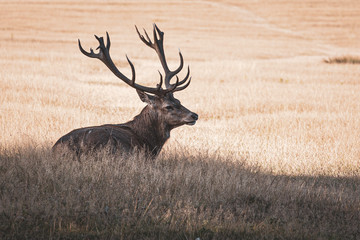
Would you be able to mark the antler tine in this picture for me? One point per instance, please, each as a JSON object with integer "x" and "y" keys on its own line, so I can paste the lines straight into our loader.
{"x": 104, "y": 56}
{"x": 156, "y": 30}
{"x": 182, "y": 87}
{"x": 158, "y": 46}
{"x": 186, "y": 77}
{"x": 132, "y": 71}
{"x": 147, "y": 36}
{"x": 174, "y": 86}
{"x": 108, "y": 41}
{"x": 161, "y": 81}
{"x": 181, "y": 64}
{"x": 148, "y": 41}
{"x": 89, "y": 54}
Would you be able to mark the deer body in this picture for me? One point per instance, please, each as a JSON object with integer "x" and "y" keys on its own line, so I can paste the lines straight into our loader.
{"x": 146, "y": 131}
{"x": 139, "y": 133}
{"x": 149, "y": 130}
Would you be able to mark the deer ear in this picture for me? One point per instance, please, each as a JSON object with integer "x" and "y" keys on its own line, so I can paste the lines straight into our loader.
{"x": 146, "y": 98}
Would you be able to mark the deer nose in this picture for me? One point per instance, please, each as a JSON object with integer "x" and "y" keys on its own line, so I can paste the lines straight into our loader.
{"x": 194, "y": 116}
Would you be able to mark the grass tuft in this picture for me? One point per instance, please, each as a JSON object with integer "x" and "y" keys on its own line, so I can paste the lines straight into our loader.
{"x": 343, "y": 60}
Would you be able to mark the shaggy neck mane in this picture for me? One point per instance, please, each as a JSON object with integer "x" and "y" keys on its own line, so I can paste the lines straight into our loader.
{"x": 150, "y": 129}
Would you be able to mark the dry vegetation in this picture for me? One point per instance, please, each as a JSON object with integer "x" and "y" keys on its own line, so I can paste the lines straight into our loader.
{"x": 275, "y": 153}
{"x": 344, "y": 59}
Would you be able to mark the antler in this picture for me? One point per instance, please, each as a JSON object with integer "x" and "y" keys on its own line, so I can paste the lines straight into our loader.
{"x": 158, "y": 46}
{"x": 104, "y": 56}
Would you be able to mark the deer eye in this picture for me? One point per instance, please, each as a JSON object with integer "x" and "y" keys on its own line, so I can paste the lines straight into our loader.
{"x": 169, "y": 108}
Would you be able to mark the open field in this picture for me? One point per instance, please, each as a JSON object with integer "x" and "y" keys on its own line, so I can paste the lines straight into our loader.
{"x": 276, "y": 150}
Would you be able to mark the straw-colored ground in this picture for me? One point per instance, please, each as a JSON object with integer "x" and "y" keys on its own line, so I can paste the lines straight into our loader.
{"x": 265, "y": 97}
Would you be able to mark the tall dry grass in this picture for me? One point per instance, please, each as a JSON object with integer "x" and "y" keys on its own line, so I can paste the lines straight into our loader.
{"x": 275, "y": 153}
{"x": 180, "y": 195}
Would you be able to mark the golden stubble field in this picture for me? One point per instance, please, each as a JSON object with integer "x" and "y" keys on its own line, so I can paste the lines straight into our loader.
{"x": 263, "y": 93}
{"x": 260, "y": 85}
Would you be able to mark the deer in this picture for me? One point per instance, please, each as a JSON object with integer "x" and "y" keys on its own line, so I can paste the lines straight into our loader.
{"x": 150, "y": 129}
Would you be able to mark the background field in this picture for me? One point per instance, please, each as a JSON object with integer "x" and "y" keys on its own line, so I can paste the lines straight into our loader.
{"x": 270, "y": 109}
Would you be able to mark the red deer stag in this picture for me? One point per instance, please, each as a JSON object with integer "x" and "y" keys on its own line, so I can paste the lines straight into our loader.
{"x": 149, "y": 130}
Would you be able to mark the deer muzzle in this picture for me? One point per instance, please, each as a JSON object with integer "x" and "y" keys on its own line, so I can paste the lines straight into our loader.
{"x": 193, "y": 117}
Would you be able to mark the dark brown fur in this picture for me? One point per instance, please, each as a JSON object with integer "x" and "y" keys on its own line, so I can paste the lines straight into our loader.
{"x": 148, "y": 131}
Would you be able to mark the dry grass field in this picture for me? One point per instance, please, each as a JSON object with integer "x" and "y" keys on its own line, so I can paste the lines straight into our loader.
{"x": 275, "y": 153}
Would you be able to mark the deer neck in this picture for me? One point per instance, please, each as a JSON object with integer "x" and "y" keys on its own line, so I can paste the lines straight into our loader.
{"x": 150, "y": 129}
